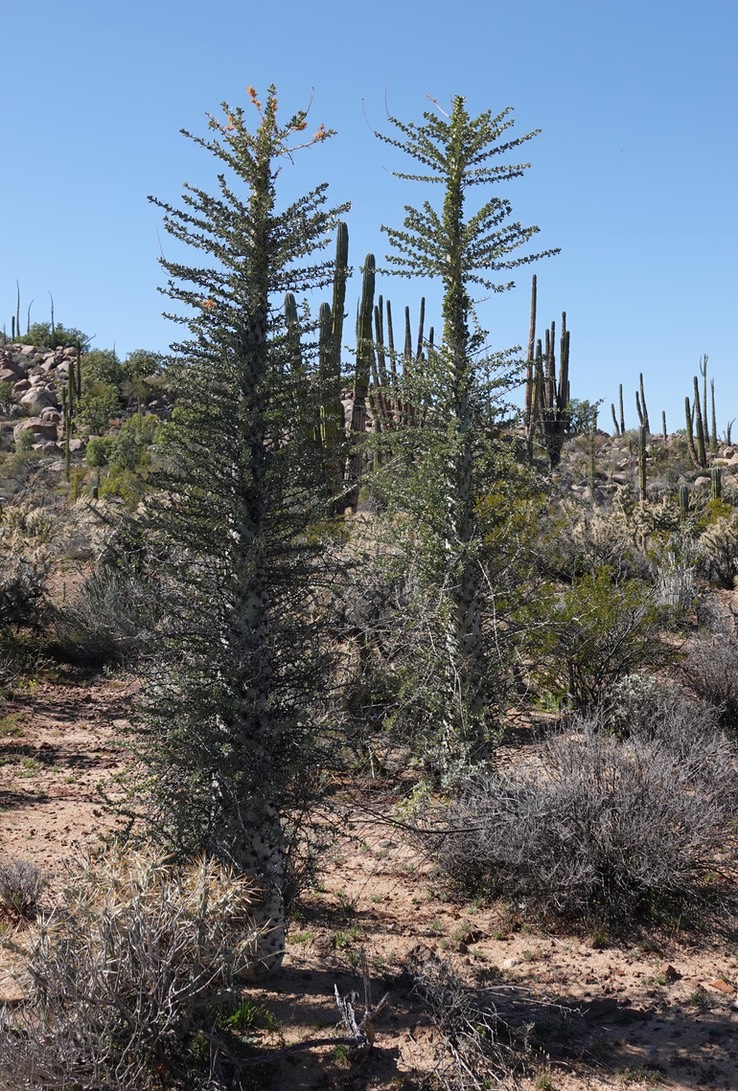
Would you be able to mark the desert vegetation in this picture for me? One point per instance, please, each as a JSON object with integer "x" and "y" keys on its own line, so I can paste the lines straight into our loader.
{"x": 352, "y": 587}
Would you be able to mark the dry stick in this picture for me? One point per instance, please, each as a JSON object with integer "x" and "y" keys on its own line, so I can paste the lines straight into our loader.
{"x": 361, "y": 1035}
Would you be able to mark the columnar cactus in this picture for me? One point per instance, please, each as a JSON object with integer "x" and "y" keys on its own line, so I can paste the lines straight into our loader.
{"x": 641, "y": 406}
{"x": 716, "y": 482}
{"x": 615, "y": 420}
{"x": 364, "y": 356}
{"x": 529, "y": 419}
{"x": 642, "y": 455}
{"x": 69, "y": 394}
{"x": 552, "y": 396}
{"x": 699, "y": 426}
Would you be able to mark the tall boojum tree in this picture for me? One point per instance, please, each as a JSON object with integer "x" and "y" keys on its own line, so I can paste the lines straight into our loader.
{"x": 227, "y": 738}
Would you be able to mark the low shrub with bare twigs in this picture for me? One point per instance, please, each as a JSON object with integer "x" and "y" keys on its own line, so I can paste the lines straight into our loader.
{"x": 127, "y": 976}
{"x": 602, "y": 827}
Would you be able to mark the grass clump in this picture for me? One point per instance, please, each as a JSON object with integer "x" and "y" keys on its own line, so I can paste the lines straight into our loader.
{"x": 21, "y": 886}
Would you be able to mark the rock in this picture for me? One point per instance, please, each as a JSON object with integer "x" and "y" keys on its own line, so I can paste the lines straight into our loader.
{"x": 728, "y": 452}
{"x": 9, "y": 364}
{"x": 42, "y": 428}
{"x": 719, "y": 986}
{"x": 50, "y": 414}
{"x": 668, "y": 972}
{"x": 702, "y": 482}
{"x": 22, "y": 384}
{"x": 77, "y": 445}
{"x": 37, "y": 399}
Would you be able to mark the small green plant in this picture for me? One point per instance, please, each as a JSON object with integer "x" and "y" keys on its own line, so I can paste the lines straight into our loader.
{"x": 460, "y": 933}
{"x": 640, "y": 1074}
{"x": 340, "y": 1055}
{"x": 437, "y": 927}
{"x": 24, "y": 442}
{"x": 701, "y": 1000}
{"x": 544, "y": 1082}
{"x": 9, "y": 725}
{"x": 346, "y": 937}
{"x": 250, "y": 1016}
{"x": 600, "y": 938}
{"x": 347, "y": 902}
{"x": 302, "y": 939}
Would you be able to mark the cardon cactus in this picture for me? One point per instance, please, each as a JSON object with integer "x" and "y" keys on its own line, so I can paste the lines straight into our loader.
{"x": 364, "y": 360}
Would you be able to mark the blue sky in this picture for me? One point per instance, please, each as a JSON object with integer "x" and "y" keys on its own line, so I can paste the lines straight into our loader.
{"x": 633, "y": 176}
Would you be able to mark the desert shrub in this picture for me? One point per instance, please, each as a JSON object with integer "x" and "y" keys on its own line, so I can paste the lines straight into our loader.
{"x": 108, "y": 622}
{"x": 98, "y": 404}
{"x": 100, "y": 366}
{"x": 579, "y": 543}
{"x": 25, "y": 441}
{"x": 673, "y": 562}
{"x": 141, "y": 364}
{"x": 602, "y": 828}
{"x": 24, "y": 566}
{"x": 128, "y": 976}
{"x": 97, "y": 452}
{"x": 710, "y": 669}
{"x": 8, "y": 396}
{"x": 22, "y": 591}
{"x": 717, "y": 552}
{"x": 129, "y": 449}
{"x": 601, "y": 630}
{"x": 118, "y": 607}
{"x": 21, "y": 886}
{"x": 40, "y": 335}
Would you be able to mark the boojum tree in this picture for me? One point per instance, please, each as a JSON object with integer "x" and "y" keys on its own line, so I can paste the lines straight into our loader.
{"x": 227, "y": 738}
{"x": 462, "y": 250}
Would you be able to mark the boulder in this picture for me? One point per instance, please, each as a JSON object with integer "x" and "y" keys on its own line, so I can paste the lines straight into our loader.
{"x": 42, "y": 428}
{"x": 37, "y": 399}
{"x": 12, "y": 365}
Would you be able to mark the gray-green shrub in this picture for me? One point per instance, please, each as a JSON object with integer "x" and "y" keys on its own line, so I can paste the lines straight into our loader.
{"x": 601, "y": 828}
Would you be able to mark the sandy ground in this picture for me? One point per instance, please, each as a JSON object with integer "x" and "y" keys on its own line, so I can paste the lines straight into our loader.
{"x": 657, "y": 1012}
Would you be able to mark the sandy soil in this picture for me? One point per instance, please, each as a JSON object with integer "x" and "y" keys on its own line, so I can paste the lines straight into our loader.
{"x": 659, "y": 1012}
